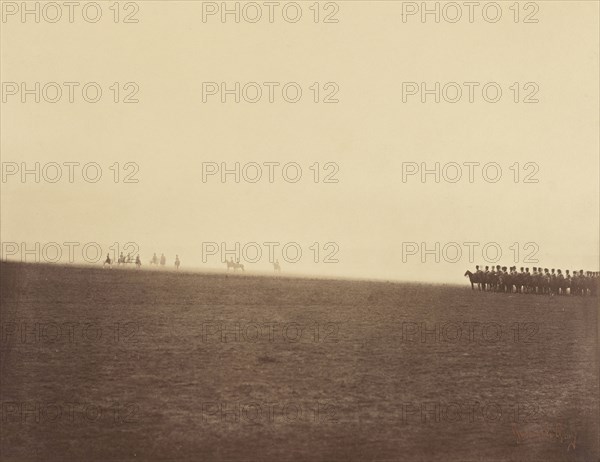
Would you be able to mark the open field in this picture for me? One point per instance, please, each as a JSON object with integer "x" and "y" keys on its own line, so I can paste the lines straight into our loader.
{"x": 107, "y": 365}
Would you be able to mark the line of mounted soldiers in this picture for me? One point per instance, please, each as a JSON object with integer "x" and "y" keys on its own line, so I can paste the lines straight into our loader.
{"x": 540, "y": 281}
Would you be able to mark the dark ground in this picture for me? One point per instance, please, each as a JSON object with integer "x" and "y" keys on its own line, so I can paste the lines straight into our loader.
{"x": 107, "y": 365}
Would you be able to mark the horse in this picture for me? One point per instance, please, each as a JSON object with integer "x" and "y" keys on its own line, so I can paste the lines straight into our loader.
{"x": 493, "y": 281}
{"x": 546, "y": 279}
{"x": 234, "y": 265}
{"x": 594, "y": 283}
{"x": 561, "y": 285}
{"x": 473, "y": 279}
{"x": 519, "y": 282}
{"x": 505, "y": 283}
{"x": 538, "y": 282}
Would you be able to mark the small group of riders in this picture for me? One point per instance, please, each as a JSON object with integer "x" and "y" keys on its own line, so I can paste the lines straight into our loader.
{"x": 125, "y": 260}
{"x": 539, "y": 281}
{"x": 163, "y": 260}
{"x": 236, "y": 265}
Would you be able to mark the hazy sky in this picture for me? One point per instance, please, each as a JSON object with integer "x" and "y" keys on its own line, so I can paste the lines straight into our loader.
{"x": 367, "y": 136}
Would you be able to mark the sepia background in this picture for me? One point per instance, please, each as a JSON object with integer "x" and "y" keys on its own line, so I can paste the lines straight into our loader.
{"x": 168, "y": 358}
{"x": 370, "y": 211}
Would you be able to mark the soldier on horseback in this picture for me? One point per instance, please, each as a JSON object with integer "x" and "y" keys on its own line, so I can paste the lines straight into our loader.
{"x": 108, "y": 261}
{"x": 487, "y": 282}
{"x": 554, "y": 282}
{"x": 540, "y": 281}
{"x": 560, "y": 283}
{"x": 575, "y": 283}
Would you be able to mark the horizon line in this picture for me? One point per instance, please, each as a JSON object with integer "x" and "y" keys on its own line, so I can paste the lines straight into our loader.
{"x": 220, "y": 272}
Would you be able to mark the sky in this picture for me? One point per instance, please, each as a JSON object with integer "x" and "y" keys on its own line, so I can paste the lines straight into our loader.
{"x": 369, "y": 213}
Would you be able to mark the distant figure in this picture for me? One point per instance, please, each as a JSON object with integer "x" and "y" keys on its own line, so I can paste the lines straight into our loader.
{"x": 121, "y": 259}
{"x": 276, "y": 266}
{"x": 154, "y": 260}
{"x": 108, "y": 261}
{"x": 177, "y": 262}
{"x": 163, "y": 259}
{"x": 129, "y": 258}
{"x": 138, "y": 262}
{"x": 235, "y": 266}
